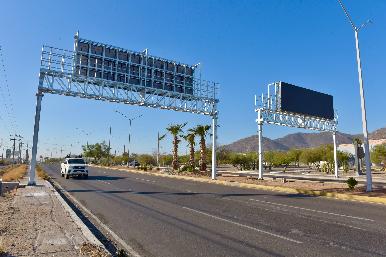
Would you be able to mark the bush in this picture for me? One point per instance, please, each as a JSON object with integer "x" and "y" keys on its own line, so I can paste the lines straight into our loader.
{"x": 351, "y": 183}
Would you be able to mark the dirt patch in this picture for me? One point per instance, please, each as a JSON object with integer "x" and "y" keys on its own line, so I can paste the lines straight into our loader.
{"x": 91, "y": 250}
{"x": 41, "y": 173}
{"x": 14, "y": 173}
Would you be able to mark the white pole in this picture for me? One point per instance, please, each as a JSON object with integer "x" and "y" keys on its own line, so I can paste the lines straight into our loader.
{"x": 335, "y": 156}
{"x": 31, "y": 180}
{"x": 260, "y": 132}
{"x": 158, "y": 149}
{"x": 364, "y": 119}
{"x": 214, "y": 137}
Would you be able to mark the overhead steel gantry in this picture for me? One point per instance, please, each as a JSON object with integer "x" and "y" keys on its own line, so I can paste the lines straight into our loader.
{"x": 269, "y": 112}
{"x": 58, "y": 76}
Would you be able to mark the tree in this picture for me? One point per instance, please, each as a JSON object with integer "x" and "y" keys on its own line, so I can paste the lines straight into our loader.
{"x": 146, "y": 159}
{"x": 294, "y": 156}
{"x": 97, "y": 151}
{"x": 378, "y": 155}
{"x": 244, "y": 161}
{"x": 175, "y": 130}
{"x": 202, "y": 131}
{"x": 190, "y": 138}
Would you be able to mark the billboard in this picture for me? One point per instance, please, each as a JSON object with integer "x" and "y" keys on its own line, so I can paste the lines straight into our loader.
{"x": 298, "y": 100}
{"x": 128, "y": 67}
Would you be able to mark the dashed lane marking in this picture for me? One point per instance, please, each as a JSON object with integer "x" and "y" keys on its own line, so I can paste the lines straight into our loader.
{"x": 244, "y": 226}
{"x": 311, "y": 210}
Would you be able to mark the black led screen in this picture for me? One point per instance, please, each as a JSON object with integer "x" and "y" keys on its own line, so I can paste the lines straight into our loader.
{"x": 106, "y": 62}
{"x": 304, "y": 101}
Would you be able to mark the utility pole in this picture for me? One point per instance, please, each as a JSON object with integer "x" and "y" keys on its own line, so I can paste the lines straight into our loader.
{"x": 20, "y": 147}
{"x": 27, "y": 154}
{"x": 363, "y": 102}
{"x": 14, "y": 146}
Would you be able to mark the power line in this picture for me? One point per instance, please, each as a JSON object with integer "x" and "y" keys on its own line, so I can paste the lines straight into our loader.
{"x": 8, "y": 106}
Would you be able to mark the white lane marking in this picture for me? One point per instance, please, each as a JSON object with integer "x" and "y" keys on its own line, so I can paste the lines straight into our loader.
{"x": 153, "y": 181}
{"x": 312, "y": 210}
{"x": 301, "y": 215}
{"x": 244, "y": 226}
{"x": 147, "y": 180}
{"x": 136, "y": 178}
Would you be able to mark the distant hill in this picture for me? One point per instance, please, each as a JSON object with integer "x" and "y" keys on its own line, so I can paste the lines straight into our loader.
{"x": 378, "y": 134}
{"x": 297, "y": 140}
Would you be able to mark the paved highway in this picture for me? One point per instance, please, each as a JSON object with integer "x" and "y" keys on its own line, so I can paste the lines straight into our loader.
{"x": 169, "y": 217}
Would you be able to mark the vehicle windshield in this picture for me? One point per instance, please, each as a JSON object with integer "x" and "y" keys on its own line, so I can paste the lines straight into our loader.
{"x": 76, "y": 161}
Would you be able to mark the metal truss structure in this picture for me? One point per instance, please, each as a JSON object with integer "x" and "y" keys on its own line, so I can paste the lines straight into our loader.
{"x": 58, "y": 76}
{"x": 269, "y": 112}
{"x": 269, "y": 106}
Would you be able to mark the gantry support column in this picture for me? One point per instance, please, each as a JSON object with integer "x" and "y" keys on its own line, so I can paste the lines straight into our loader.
{"x": 260, "y": 134}
{"x": 214, "y": 139}
{"x": 31, "y": 179}
{"x": 335, "y": 155}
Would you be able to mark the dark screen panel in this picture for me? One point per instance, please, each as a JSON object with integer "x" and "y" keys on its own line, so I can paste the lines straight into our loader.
{"x": 304, "y": 101}
{"x": 106, "y": 62}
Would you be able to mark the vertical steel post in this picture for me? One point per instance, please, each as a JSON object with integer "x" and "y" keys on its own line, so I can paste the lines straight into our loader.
{"x": 158, "y": 149}
{"x": 260, "y": 152}
{"x": 335, "y": 155}
{"x": 214, "y": 138}
{"x": 369, "y": 187}
{"x": 31, "y": 180}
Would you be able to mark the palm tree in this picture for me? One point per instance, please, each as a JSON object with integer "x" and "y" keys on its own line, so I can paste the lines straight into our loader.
{"x": 175, "y": 130}
{"x": 202, "y": 131}
{"x": 190, "y": 139}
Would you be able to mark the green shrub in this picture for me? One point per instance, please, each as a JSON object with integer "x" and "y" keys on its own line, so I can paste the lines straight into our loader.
{"x": 351, "y": 183}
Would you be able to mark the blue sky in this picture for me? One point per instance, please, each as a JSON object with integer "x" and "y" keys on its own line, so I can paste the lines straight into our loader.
{"x": 243, "y": 45}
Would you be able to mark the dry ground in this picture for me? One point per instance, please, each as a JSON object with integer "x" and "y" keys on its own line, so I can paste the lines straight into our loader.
{"x": 13, "y": 173}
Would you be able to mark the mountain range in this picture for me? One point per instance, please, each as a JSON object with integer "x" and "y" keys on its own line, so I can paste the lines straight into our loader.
{"x": 297, "y": 140}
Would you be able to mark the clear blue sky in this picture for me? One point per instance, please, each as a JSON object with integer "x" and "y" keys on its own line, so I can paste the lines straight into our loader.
{"x": 243, "y": 45}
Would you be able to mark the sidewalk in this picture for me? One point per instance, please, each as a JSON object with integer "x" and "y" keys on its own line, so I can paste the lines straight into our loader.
{"x": 35, "y": 222}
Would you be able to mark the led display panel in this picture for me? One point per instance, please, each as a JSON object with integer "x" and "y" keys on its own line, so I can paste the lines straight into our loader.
{"x": 298, "y": 100}
{"x": 110, "y": 63}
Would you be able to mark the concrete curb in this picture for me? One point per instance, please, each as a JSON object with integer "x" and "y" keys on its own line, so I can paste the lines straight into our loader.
{"x": 85, "y": 230}
{"x": 128, "y": 248}
{"x": 340, "y": 196}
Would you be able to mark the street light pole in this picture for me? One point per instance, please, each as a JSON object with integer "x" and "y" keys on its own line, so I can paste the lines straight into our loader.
{"x": 130, "y": 120}
{"x": 363, "y": 102}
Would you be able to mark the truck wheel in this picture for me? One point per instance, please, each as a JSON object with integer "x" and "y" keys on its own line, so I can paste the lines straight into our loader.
{"x": 67, "y": 176}
{"x": 62, "y": 174}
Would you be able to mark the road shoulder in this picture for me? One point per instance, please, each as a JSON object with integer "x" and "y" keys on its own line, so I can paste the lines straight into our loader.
{"x": 36, "y": 221}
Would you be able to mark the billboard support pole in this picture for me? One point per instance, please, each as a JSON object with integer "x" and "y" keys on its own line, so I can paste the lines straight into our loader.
{"x": 214, "y": 137}
{"x": 260, "y": 135}
{"x": 335, "y": 156}
{"x": 31, "y": 179}
{"x": 364, "y": 119}
{"x": 363, "y": 102}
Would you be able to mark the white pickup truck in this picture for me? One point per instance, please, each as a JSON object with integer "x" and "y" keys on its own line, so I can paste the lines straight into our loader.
{"x": 74, "y": 167}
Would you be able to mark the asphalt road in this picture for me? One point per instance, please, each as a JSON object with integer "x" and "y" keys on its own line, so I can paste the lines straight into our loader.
{"x": 168, "y": 217}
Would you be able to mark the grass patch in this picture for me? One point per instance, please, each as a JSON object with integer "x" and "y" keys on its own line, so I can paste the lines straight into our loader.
{"x": 41, "y": 173}
{"x": 14, "y": 173}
